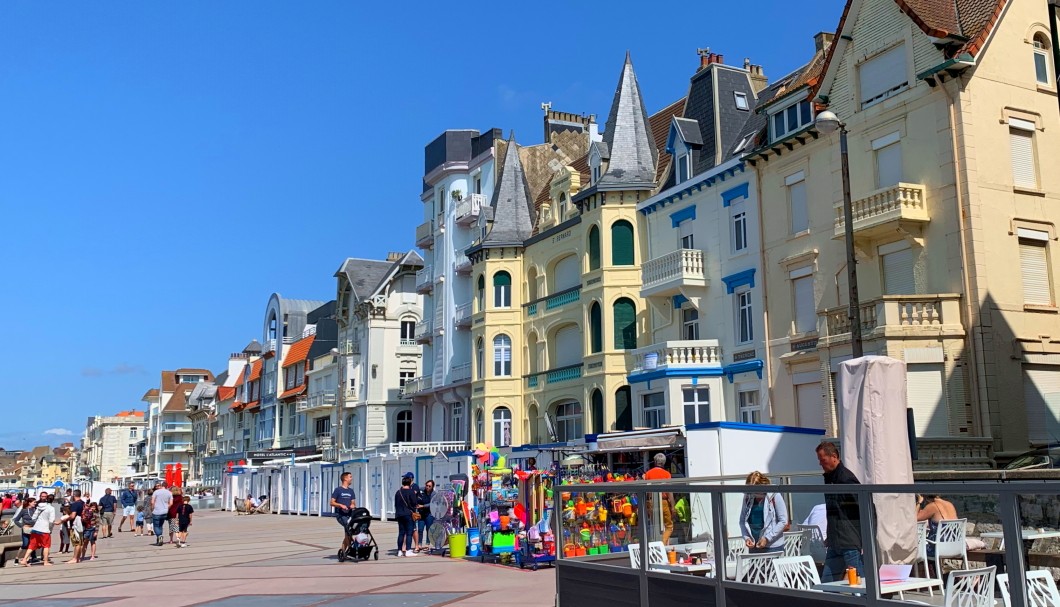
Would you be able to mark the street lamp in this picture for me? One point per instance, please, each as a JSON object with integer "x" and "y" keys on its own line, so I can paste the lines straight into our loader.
{"x": 827, "y": 122}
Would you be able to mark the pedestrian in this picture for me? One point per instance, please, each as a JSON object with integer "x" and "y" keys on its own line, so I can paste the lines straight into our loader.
{"x": 174, "y": 525}
{"x": 8, "y": 502}
{"x": 107, "y": 505}
{"x": 147, "y": 506}
{"x": 90, "y": 520}
{"x": 426, "y": 520}
{"x": 415, "y": 489}
{"x": 404, "y": 504}
{"x": 139, "y": 521}
{"x": 128, "y": 506}
{"x": 343, "y": 501}
{"x": 64, "y": 531}
{"x": 184, "y": 512}
{"x": 763, "y": 517}
{"x": 659, "y": 472}
{"x": 161, "y": 500}
{"x": 24, "y": 518}
{"x": 844, "y": 519}
{"x": 41, "y": 532}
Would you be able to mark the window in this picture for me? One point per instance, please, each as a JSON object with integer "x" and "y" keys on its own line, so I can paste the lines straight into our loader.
{"x": 478, "y": 184}
{"x": 132, "y": 432}
{"x": 683, "y": 170}
{"x": 441, "y": 200}
{"x": 408, "y": 329}
{"x": 502, "y": 356}
{"x": 568, "y": 421}
{"x": 403, "y": 426}
{"x": 502, "y": 427}
{"x": 354, "y": 431}
{"x": 696, "y": 400}
{"x": 480, "y": 427}
{"x": 791, "y": 119}
{"x": 796, "y": 184}
{"x": 322, "y": 426}
{"x": 480, "y": 358}
{"x": 502, "y": 290}
{"x": 896, "y": 260}
{"x": 622, "y": 243}
{"x": 1021, "y": 137}
{"x": 884, "y": 75}
{"x": 684, "y": 231}
{"x": 625, "y": 314}
{"x": 804, "y": 311}
{"x": 888, "y": 152}
{"x": 404, "y": 377}
{"x": 596, "y": 409}
{"x": 739, "y": 230}
{"x": 596, "y": 333}
{"x": 481, "y": 299}
{"x": 744, "y": 318}
{"x": 654, "y": 413}
{"x": 1034, "y": 267}
{"x": 292, "y": 420}
{"x": 1041, "y": 59}
{"x": 596, "y": 173}
{"x": 750, "y": 411}
{"x": 132, "y": 451}
{"x": 594, "y": 248}
{"x": 741, "y": 101}
{"x": 456, "y": 422}
{"x": 690, "y": 323}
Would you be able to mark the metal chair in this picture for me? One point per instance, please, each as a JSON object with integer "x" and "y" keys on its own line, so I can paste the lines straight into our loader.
{"x": 793, "y": 543}
{"x": 634, "y": 556}
{"x": 812, "y": 541}
{"x": 971, "y": 588}
{"x": 796, "y": 572}
{"x": 949, "y": 543}
{"x": 757, "y": 568}
{"x": 1041, "y": 589}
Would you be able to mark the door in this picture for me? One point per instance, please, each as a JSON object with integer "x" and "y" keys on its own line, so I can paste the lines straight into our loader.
{"x": 391, "y": 482}
{"x": 927, "y": 399}
{"x": 374, "y": 501}
{"x": 1041, "y": 398}
{"x": 810, "y": 406}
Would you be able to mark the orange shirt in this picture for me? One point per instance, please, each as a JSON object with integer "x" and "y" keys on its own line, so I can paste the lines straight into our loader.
{"x": 656, "y": 473}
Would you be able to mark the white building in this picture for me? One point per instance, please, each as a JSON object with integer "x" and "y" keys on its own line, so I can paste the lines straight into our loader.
{"x": 170, "y": 430}
{"x": 109, "y": 445}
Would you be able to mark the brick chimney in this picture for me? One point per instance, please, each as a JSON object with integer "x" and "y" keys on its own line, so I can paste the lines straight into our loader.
{"x": 822, "y": 40}
{"x": 394, "y": 255}
{"x": 707, "y": 58}
{"x": 758, "y": 78}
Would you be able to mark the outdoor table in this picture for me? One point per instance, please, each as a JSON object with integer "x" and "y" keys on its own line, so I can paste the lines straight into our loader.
{"x": 688, "y": 568}
{"x": 1028, "y": 536}
{"x": 899, "y": 586}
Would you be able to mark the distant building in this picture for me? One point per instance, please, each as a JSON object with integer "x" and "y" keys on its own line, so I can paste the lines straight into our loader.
{"x": 109, "y": 447}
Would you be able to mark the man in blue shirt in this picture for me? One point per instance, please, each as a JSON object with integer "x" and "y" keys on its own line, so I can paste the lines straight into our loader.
{"x": 343, "y": 501}
{"x": 128, "y": 507}
{"x": 107, "y": 504}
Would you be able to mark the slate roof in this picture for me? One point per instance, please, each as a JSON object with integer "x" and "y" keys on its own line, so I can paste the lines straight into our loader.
{"x": 627, "y": 134}
{"x": 689, "y": 130}
{"x": 364, "y": 275}
{"x": 512, "y": 204}
{"x": 254, "y": 347}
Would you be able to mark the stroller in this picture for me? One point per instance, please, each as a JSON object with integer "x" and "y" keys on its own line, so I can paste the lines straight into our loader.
{"x": 362, "y": 542}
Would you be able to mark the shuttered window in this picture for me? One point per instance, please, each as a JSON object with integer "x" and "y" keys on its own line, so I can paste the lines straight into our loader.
{"x": 888, "y": 165}
{"x": 805, "y": 309}
{"x": 622, "y": 243}
{"x": 567, "y": 274}
{"x": 1021, "y": 140}
{"x": 1034, "y": 269}
{"x": 502, "y": 290}
{"x": 810, "y": 407}
{"x": 502, "y": 356}
{"x": 568, "y": 342}
{"x": 625, "y": 313}
{"x": 1041, "y": 400}
{"x": 596, "y": 333}
{"x": 897, "y": 262}
{"x": 926, "y": 399}
{"x": 797, "y": 205}
{"x": 883, "y": 75}
{"x": 594, "y": 248}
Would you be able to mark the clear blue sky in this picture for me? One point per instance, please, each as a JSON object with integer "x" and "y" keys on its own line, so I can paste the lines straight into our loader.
{"x": 168, "y": 166}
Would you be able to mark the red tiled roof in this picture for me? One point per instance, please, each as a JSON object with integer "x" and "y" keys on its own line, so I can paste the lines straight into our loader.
{"x": 130, "y": 414}
{"x": 255, "y": 370}
{"x": 298, "y": 351}
{"x": 293, "y": 392}
{"x": 253, "y": 406}
{"x": 226, "y": 392}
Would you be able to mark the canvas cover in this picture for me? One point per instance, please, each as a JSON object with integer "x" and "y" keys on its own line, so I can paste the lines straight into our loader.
{"x": 875, "y": 446}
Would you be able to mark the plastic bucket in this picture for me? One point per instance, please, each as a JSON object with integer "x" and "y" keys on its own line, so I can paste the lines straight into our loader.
{"x": 474, "y": 547}
{"x": 457, "y": 546}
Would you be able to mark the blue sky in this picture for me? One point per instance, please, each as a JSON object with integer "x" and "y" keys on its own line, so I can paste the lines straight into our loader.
{"x": 168, "y": 166}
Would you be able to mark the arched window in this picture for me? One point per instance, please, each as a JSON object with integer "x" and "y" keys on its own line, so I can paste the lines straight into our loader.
{"x": 569, "y": 421}
{"x": 1042, "y": 71}
{"x": 403, "y": 426}
{"x": 625, "y": 314}
{"x": 481, "y": 299}
{"x": 532, "y": 434}
{"x": 623, "y": 409}
{"x": 622, "y": 243}
{"x": 594, "y": 248}
{"x": 596, "y": 409}
{"x": 502, "y": 356}
{"x": 480, "y": 359}
{"x": 502, "y": 427}
{"x": 479, "y": 426}
{"x": 408, "y": 330}
{"x": 596, "y": 331}
{"x": 502, "y": 290}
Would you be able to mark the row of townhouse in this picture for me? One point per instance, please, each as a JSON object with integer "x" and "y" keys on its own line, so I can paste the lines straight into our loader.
{"x": 690, "y": 265}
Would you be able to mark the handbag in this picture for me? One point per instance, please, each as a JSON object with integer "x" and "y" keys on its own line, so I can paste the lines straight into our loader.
{"x": 415, "y": 513}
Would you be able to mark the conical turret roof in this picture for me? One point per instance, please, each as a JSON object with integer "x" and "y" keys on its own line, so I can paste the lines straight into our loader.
{"x": 513, "y": 209}
{"x": 627, "y": 135}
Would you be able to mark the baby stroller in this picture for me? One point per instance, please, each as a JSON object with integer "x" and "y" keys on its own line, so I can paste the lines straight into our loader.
{"x": 362, "y": 542}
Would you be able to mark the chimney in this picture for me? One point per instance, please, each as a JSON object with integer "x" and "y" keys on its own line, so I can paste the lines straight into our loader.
{"x": 394, "y": 255}
{"x": 704, "y": 57}
{"x": 758, "y": 78}
{"x": 822, "y": 40}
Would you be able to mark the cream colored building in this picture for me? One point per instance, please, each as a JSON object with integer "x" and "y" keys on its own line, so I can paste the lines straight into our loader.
{"x": 109, "y": 445}
{"x": 949, "y": 132}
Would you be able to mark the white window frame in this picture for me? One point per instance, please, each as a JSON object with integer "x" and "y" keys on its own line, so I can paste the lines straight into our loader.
{"x": 1035, "y": 238}
{"x": 569, "y": 422}
{"x": 883, "y": 144}
{"x": 891, "y": 90}
{"x": 684, "y": 168}
{"x": 685, "y": 236}
{"x": 695, "y": 404}
{"x": 653, "y": 416}
{"x": 405, "y": 376}
{"x": 502, "y": 356}
{"x": 893, "y": 248}
{"x": 403, "y": 426}
{"x": 744, "y": 307}
{"x": 1042, "y": 52}
{"x": 738, "y": 227}
{"x": 689, "y": 326}
{"x": 1019, "y": 127}
{"x": 790, "y": 182}
{"x": 741, "y": 100}
{"x": 500, "y": 423}
{"x": 801, "y": 121}
{"x": 456, "y": 421}
{"x": 801, "y": 274}
{"x": 749, "y": 406}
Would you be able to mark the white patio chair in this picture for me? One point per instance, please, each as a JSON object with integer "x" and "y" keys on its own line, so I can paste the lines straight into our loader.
{"x": 970, "y": 588}
{"x": 796, "y": 572}
{"x": 812, "y": 541}
{"x": 634, "y": 556}
{"x": 736, "y": 546}
{"x": 757, "y": 568}
{"x": 793, "y": 543}
{"x": 1041, "y": 589}
{"x": 949, "y": 544}
{"x": 656, "y": 554}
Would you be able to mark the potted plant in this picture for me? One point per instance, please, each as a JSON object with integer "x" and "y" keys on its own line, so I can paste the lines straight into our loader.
{"x": 457, "y": 195}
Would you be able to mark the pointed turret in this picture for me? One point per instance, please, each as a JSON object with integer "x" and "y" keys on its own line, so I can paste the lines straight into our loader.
{"x": 627, "y": 135}
{"x": 513, "y": 209}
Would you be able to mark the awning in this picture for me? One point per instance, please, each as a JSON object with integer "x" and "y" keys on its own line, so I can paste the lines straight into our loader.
{"x": 640, "y": 440}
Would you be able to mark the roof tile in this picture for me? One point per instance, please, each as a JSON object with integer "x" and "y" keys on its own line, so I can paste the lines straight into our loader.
{"x": 298, "y": 351}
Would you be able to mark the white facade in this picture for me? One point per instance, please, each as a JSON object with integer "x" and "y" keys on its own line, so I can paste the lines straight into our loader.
{"x": 109, "y": 445}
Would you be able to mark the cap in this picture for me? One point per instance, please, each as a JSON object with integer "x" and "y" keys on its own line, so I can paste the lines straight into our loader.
{"x": 408, "y": 475}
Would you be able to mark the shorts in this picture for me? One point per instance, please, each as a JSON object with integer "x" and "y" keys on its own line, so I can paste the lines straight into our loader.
{"x": 128, "y": 511}
{"x": 89, "y": 536}
{"x": 108, "y": 518}
{"x": 182, "y": 525}
{"x": 40, "y": 540}
{"x": 173, "y": 527}
{"x": 25, "y": 540}
{"x": 139, "y": 522}
{"x": 343, "y": 519}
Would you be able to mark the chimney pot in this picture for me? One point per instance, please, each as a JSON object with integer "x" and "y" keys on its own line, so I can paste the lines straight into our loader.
{"x": 822, "y": 40}
{"x": 746, "y": 63}
{"x": 721, "y": 59}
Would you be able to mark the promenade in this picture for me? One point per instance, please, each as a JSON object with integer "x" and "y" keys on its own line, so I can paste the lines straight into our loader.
{"x": 268, "y": 561}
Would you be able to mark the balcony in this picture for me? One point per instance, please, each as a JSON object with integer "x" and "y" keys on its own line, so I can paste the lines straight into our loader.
{"x": 425, "y": 280}
{"x": 683, "y": 354}
{"x": 417, "y": 384}
{"x": 408, "y": 346}
{"x": 554, "y": 376}
{"x": 323, "y": 441}
{"x": 425, "y": 235}
{"x": 468, "y": 210}
{"x": 176, "y": 447}
{"x": 425, "y": 331}
{"x": 954, "y": 453}
{"x": 460, "y": 374}
{"x": 671, "y": 273}
{"x": 885, "y": 210}
{"x": 317, "y": 402}
{"x": 351, "y": 347}
{"x": 555, "y": 301}
{"x": 462, "y": 265}
{"x": 211, "y": 447}
{"x": 898, "y": 316}
{"x": 175, "y": 428}
{"x": 463, "y": 315}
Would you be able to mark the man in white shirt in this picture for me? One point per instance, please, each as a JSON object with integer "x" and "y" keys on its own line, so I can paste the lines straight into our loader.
{"x": 161, "y": 500}
{"x": 41, "y": 533}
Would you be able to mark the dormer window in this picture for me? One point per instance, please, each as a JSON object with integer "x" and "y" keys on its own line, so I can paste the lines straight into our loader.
{"x": 741, "y": 101}
{"x": 791, "y": 118}
{"x": 596, "y": 173}
{"x": 684, "y": 168}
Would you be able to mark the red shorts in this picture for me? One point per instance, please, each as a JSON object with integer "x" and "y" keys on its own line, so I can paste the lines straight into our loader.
{"x": 40, "y": 540}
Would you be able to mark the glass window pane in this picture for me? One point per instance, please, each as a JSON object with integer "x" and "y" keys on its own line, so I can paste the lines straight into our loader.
{"x": 1041, "y": 70}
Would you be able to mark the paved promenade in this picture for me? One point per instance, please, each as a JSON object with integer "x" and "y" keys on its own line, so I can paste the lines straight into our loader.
{"x": 268, "y": 561}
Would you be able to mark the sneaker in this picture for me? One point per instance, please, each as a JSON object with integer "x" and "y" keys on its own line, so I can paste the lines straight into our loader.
{"x": 412, "y": 553}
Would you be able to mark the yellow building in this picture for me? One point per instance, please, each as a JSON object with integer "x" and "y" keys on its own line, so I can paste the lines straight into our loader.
{"x": 557, "y": 308}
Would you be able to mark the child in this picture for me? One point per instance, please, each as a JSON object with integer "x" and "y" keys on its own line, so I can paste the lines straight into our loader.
{"x": 139, "y": 521}
{"x": 64, "y": 532}
{"x": 184, "y": 512}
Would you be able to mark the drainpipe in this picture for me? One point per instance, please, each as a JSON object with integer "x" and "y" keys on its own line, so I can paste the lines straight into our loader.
{"x": 1054, "y": 8}
{"x": 765, "y": 300}
{"x": 970, "y": 310}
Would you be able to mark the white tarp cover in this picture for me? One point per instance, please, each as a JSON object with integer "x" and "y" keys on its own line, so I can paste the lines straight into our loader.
{"x": 875, "y": 446}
